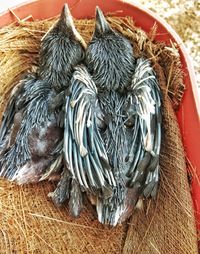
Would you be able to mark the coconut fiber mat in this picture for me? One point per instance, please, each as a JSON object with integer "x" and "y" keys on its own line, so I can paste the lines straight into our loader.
{"x": 30, "y": 223}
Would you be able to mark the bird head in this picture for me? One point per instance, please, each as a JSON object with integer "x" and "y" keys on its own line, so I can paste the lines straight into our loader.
{"x": 62, "y": 48}
{"x": 109, "y": 56}
{"x": 65, "y": 26}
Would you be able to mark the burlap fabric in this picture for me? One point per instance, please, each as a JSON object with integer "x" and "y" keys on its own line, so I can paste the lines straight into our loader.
{"x": 30, "y": 223}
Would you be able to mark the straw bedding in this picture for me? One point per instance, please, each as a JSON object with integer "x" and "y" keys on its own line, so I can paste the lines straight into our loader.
{"x": 30, "y": 223}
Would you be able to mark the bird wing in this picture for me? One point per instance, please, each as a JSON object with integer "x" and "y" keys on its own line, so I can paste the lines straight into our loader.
{"x": 145, "y": 102}
{"x": 84, "y": 151}
{"x": 32, "y": 103}
{"x": 15, "y": 105}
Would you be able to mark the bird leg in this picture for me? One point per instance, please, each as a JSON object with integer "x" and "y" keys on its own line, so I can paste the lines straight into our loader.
{"x": 61, "y": 193}
{"x": 76, "y": 199}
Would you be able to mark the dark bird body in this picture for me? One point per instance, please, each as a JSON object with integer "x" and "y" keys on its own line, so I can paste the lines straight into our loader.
{"x": 112, "y": 127}
{"x": 31, "y": 131}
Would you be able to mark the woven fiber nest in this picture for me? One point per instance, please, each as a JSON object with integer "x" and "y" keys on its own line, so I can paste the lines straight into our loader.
{"x": 30, "y": 223}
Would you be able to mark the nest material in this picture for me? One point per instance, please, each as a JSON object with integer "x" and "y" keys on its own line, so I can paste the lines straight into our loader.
{"x": 30, "y": 223}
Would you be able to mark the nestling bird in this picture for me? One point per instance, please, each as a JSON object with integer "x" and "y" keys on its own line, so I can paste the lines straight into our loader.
{"x": 112, "y": 132}
{"x": 31, "y": 132}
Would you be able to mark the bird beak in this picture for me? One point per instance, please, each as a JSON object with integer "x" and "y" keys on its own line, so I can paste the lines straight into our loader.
{"x": 66, "y": 19}
{"x": 101, "y": 25}
{"x": 66, "y": 24}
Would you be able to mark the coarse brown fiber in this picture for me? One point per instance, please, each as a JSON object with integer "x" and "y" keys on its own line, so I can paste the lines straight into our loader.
{"x": 30, "y": 223}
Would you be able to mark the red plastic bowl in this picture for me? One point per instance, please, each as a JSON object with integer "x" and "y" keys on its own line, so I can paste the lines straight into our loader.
{"x": 189, "y": 112}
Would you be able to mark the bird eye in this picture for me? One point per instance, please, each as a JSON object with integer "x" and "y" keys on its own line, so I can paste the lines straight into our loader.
{"x": 101, "y": 124}
{"x": 129, "y": 122}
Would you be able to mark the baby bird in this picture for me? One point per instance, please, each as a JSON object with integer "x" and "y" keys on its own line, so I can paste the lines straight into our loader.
{"x": 112, "y": 131}
{"x": 31, "y": 132}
